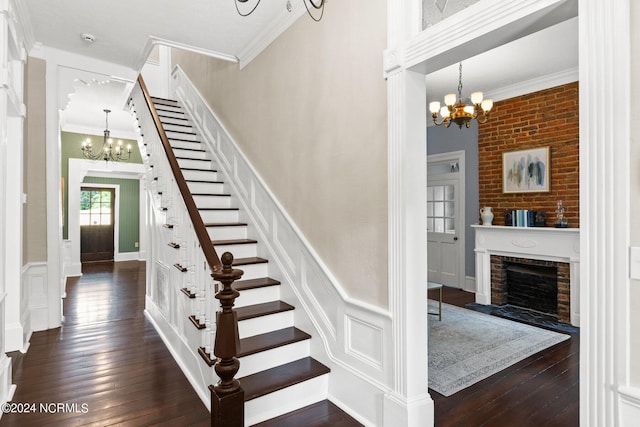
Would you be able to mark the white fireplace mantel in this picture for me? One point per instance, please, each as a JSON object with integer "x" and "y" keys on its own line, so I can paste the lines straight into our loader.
{"x": 542, "y": 243}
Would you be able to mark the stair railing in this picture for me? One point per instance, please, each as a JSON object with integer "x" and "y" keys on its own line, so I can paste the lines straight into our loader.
{"x": 227, "y": 396}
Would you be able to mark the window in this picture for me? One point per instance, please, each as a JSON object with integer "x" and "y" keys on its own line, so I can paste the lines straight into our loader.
{"x": 96, "y": 207}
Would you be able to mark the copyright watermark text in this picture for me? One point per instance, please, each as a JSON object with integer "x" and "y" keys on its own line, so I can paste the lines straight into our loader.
{"x": 44, "y": 408}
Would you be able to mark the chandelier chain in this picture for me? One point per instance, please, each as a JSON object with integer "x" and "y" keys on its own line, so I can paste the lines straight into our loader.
{"x": 460, "y": 83}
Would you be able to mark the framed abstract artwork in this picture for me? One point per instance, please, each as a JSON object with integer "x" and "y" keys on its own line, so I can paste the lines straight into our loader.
{"x": 525, "y": 171}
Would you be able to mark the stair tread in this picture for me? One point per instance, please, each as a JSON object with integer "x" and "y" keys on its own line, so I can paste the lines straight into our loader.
{"x": 249, "y": 260}
{"x": 218, "y": 209}
{"x": 172, "y": 118}
{"x": 159, "y": 98}
{"x": 274, "y": 379}
{"x": 199, "y": 150}
{"x": 199, "y": 170}
{"x": 320, "y": 414}
{"x": 159, "y": 108}
{"x": 263, "y": 309}
{"x": 270, "y": 340}
{"x": 234, "y": 242}
{"x": 204, "y": 181}
{"x": 262, "y": 282}
{"x": 211, "y": 194}
{"x": 182, "y": 140}
{"x": 191, "y": 158}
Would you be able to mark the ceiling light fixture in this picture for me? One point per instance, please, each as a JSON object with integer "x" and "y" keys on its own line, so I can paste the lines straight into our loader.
{"x": 457, "y": 111}
{"x": 108, "y": 151}
{"x": 318, "y": 5}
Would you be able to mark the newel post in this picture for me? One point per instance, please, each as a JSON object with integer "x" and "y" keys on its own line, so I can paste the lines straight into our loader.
{"x": 227, "y": 396}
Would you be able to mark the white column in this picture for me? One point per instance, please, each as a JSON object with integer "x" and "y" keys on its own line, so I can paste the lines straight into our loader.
{"x": 604, "y": 207}
{"x": 409, "y": 403}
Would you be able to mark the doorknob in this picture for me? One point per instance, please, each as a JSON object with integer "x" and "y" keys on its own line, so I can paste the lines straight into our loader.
{"x": 455, "y": 238}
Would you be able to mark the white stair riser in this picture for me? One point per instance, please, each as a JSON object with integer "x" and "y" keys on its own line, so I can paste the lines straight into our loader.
{"x": 181, "y": 136}
{"x": 182, "y": 127}
{"x": 196, "y": 175}
{"x": 286, "y": 400}
{"x": 224, "y": 233}
{"x": 212, "y": 201}
{"x": 206, "y": 187}
{"x": 264, "y": 324}
{"x": 271, "y": 358}
{"x": 239, "y": 251}
{"x": 258, "y": 296}
{"x": 253, "y": 271}
{"x": 190, "y": 154}
{"x": 194, "y": 164}
{"x": 172, "y": 118}
{"x": 166, "y": 109}
{"x": 165, "y": 113}
{"x": 219, "y": 216}
{"x": 185, "y": 144}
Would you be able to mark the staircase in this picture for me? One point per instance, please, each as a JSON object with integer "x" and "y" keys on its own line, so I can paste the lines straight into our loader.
{"x": 282, "y": 384}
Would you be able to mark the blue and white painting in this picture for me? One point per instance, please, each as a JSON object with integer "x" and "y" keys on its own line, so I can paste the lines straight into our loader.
{"x": 525, "y": 170}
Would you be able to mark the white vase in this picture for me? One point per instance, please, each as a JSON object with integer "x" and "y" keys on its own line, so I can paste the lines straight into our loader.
{"x": 487, "y": 215}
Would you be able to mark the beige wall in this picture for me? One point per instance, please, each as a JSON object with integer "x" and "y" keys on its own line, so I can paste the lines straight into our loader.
{"x": 635, "y": 188}
{"x": 35, "y": 211}
{"x": 310, "y": 112}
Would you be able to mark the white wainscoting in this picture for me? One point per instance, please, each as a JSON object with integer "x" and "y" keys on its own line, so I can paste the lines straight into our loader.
{"x": 629, "y": 405}
{"x": 356, "y": 337}
{"x": 35, "y": 279}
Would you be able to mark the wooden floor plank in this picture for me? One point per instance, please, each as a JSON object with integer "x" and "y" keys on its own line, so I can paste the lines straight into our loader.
{"x": 106, "y": 355}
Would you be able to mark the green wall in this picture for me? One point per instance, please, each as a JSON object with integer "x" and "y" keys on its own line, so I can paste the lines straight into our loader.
{"x": 129, "y": 211}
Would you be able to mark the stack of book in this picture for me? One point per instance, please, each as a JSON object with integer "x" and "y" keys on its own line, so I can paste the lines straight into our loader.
{"x": 525, "y": 218}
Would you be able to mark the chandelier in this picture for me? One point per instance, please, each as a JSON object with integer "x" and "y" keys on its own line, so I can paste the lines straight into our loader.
{"x": 318, "y": 5}
{"x": 107, "y": 151}
{"x": 457, "y": 111}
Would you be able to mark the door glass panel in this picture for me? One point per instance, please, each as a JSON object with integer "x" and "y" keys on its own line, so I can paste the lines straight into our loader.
{"x": 441, "y": 208}
{"x": 95, "y": 207}
{"x": 449, "y": 192}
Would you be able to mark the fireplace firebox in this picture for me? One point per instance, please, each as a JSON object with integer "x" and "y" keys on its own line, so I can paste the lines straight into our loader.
{"x": 533, "y": 284}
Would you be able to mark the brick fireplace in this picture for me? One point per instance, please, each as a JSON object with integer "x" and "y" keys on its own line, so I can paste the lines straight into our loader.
{"x": 539, "y": 285}
{"x": 547, "y": 257}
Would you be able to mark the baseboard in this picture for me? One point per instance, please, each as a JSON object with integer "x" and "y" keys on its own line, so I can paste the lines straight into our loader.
{"x": 400, "y": 412}
{"x": 629, "y": 404}
{"x": 127, "y": 256}
{"x": 14, "y": 335}
{"x": 72, "y": 269}
{"x": 470, "y": 284}
{"x": 6, "y": 388}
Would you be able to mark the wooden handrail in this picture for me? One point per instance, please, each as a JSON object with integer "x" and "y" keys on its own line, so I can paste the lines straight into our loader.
{"x": 198, "y": 225}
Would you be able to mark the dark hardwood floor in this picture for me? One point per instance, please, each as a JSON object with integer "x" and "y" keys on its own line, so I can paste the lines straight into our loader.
{"x": 106, "y": 362}
{"x": 110, "y": 367}
{"x": 542, "y": 390}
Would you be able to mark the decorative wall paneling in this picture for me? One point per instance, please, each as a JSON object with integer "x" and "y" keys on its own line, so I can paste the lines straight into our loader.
{"x": 353, "y": 334}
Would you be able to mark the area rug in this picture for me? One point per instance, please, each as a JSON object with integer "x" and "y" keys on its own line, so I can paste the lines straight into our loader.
{"x": 467, "y": 346}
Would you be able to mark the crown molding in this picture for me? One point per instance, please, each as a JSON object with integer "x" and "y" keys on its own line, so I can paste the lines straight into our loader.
{"x": 153, "y": 40}
{"x": 267, "y": 36}
{"x": 534, "y": 85}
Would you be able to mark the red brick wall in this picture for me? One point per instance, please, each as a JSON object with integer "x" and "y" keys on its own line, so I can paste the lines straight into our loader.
{"x": 540, "y": 119}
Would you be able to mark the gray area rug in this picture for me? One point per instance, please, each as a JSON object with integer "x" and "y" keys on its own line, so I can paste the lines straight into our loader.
{"x": 467, "y": 346}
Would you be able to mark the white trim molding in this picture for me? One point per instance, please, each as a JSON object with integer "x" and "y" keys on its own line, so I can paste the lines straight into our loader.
{"x": 78, "y": 170}
{"x": 629, "y": 402}
{"x": 605, "y": 134}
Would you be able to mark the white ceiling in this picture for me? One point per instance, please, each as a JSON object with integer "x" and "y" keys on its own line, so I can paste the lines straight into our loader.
{"x": 126, "y": 31}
